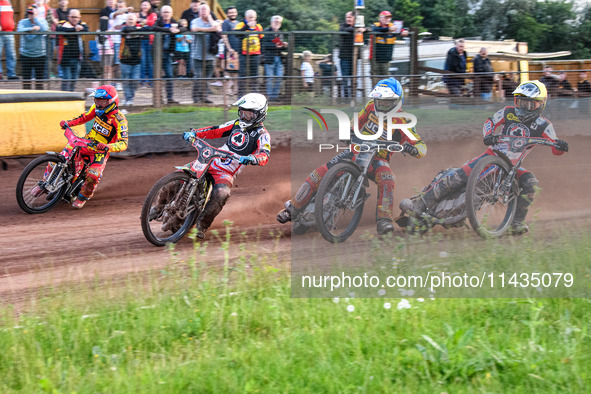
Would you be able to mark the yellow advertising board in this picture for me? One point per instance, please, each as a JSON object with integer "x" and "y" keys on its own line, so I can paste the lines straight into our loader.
{"x": 29, "y": 120}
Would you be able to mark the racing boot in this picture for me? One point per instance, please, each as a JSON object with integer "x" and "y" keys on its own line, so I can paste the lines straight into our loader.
{"x": 412, "y": 207}
{"x": 384, "y": 226}
{"x": 286, "y": 213}
{"x": 79, "y": 201}
{"x": 219, "y": 197}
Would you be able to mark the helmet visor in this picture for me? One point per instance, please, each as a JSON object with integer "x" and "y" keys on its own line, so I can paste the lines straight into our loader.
{"x": 527, "y": 104}
{"x": 386, "y": 104}
{"x": 102, "y": 103}
{"x": 246, "y": 115}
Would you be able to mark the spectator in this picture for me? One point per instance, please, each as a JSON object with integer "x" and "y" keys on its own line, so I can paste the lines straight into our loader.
{"x": 273, "y": 44}
{"x": 71, "y": 49}
{"x": 455, "y": 63}
{"x": 42, "y": 9}
{"x": 232, "y": 45}
{"x": 59, "y": 15}
{"x": 346, "y": 52}
{"x": 565, "y": 89}
{"x": 155, "y": 6}
{"x": 483, "y": 83}
{"x": 146, "y": 18}
{"x": 203, "y": 58}
{"x": 250, "y": 56}
{"x": 192, "y": 12}
{"x": 182, "y": 49}
{"x": 130, "y": 56}
{"x": 307, "y": 72}
{"x": 509, "y": 85}
{"x": 550, "y": 80}
{"x": 117, "y": 20}
{"x": 110, "y": 7}
{"x": 166, "y": 23}
{"x": 328, "y": 70}
{"x": 32, "y": 49}
{"x": 583, "y": 86}
{"x": 106, "y": 50}
{"x": 383, "y": 46}
{"x": 7, "y": 41}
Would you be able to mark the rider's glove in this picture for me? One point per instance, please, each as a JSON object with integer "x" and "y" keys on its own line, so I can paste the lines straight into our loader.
{"x": 410, "y": 149}
{"x": 491, "y": 139}
{"x": 250, "y": 159}
{"x": 562, "y": 145}
{"x": 189, "y": 136}
{"x": 63, "y": 124}
{"x": 101, "y": 146}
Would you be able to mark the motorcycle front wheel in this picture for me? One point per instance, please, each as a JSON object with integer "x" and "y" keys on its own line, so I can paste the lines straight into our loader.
{"x": 335, "y": 220}
{"x": 167, "y": 214}
{"x": 38, "y": 188}
{"x": 489, "y": 209}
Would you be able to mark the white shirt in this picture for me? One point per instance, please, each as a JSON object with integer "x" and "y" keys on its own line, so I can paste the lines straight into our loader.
{"x": 308, "y": 72}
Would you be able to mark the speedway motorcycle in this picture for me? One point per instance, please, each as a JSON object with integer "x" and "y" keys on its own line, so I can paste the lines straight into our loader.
{"x": 52, "y": 178}
{"x": 337, "y": 208}
{"x": 173, "y": 205}
{"x": 489, "y": 198}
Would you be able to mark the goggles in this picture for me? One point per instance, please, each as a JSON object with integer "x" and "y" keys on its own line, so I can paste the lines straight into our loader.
{"x": 526, "y": 103}
{"x": 246, "y": 114}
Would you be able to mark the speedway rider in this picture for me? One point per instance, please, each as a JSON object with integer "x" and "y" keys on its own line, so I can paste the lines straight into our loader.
{"x": 109, "y": 131}
{"x": 385, "y": 96}
{"x": 248, "y": 138}
{"x": 524, "y": 119}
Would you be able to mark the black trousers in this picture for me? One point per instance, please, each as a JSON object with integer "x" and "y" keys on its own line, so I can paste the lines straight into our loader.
{"x": 30, "y": 65}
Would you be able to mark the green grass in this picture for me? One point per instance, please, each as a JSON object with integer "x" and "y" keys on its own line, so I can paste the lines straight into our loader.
{"x": 189, "y": 328}
{"x": 175, "y": 119}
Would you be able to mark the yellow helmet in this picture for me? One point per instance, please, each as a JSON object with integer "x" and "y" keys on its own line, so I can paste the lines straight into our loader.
{"x": 530, "y": 100}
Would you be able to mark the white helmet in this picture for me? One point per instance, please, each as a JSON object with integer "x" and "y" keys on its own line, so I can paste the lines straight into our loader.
{"x": 252, "y": 109}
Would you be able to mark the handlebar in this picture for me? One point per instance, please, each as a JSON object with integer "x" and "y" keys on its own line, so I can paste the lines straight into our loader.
{"x": 528, "y": 141}
{"x": 79, "y": 141}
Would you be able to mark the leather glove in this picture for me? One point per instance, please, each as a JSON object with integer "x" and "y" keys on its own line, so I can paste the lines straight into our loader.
{"x": 247, "y": 160}
{"x": 410, "y": 149}
{"x": 63, "y": 124}
{"x": 561, "y": 145}
{"x": 189, "y": 136}
{"x": 103, "y": 147}
{"x": 491, "y": 139}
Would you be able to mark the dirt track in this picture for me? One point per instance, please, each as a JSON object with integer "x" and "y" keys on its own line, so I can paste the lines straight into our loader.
{"x": 105, "y": 239}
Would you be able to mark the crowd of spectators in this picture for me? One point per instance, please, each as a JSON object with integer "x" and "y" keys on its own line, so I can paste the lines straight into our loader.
{"x": 248, "y": 51}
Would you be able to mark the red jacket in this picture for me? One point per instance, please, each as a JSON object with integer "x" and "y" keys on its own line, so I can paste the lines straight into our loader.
{"x": 6, "y": 16}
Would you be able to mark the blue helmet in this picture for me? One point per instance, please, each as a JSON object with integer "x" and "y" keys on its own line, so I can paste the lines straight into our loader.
{"x": 387, "y": 95}
{"x": 109, "y": 99}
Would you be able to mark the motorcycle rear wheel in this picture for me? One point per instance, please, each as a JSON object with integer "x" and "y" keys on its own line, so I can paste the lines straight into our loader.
{"x": 32, "y": 176}
{"x": 334, "y": 220}
{"x": 162, "y": 217}
{"x": 489, "y": 216}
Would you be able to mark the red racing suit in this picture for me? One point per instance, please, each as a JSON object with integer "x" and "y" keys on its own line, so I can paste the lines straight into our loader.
{"x": 254, "y": 141}
{"x": 379, "y": 170}
{"x": 110, "y": 129}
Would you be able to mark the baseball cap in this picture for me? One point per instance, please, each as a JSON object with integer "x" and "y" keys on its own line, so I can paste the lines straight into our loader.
{"x": 31, "y": 9}
{"x": 385, "y": 13}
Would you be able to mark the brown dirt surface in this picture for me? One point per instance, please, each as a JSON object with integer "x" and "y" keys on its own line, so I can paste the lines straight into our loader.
{"x": 105, "y": 238}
